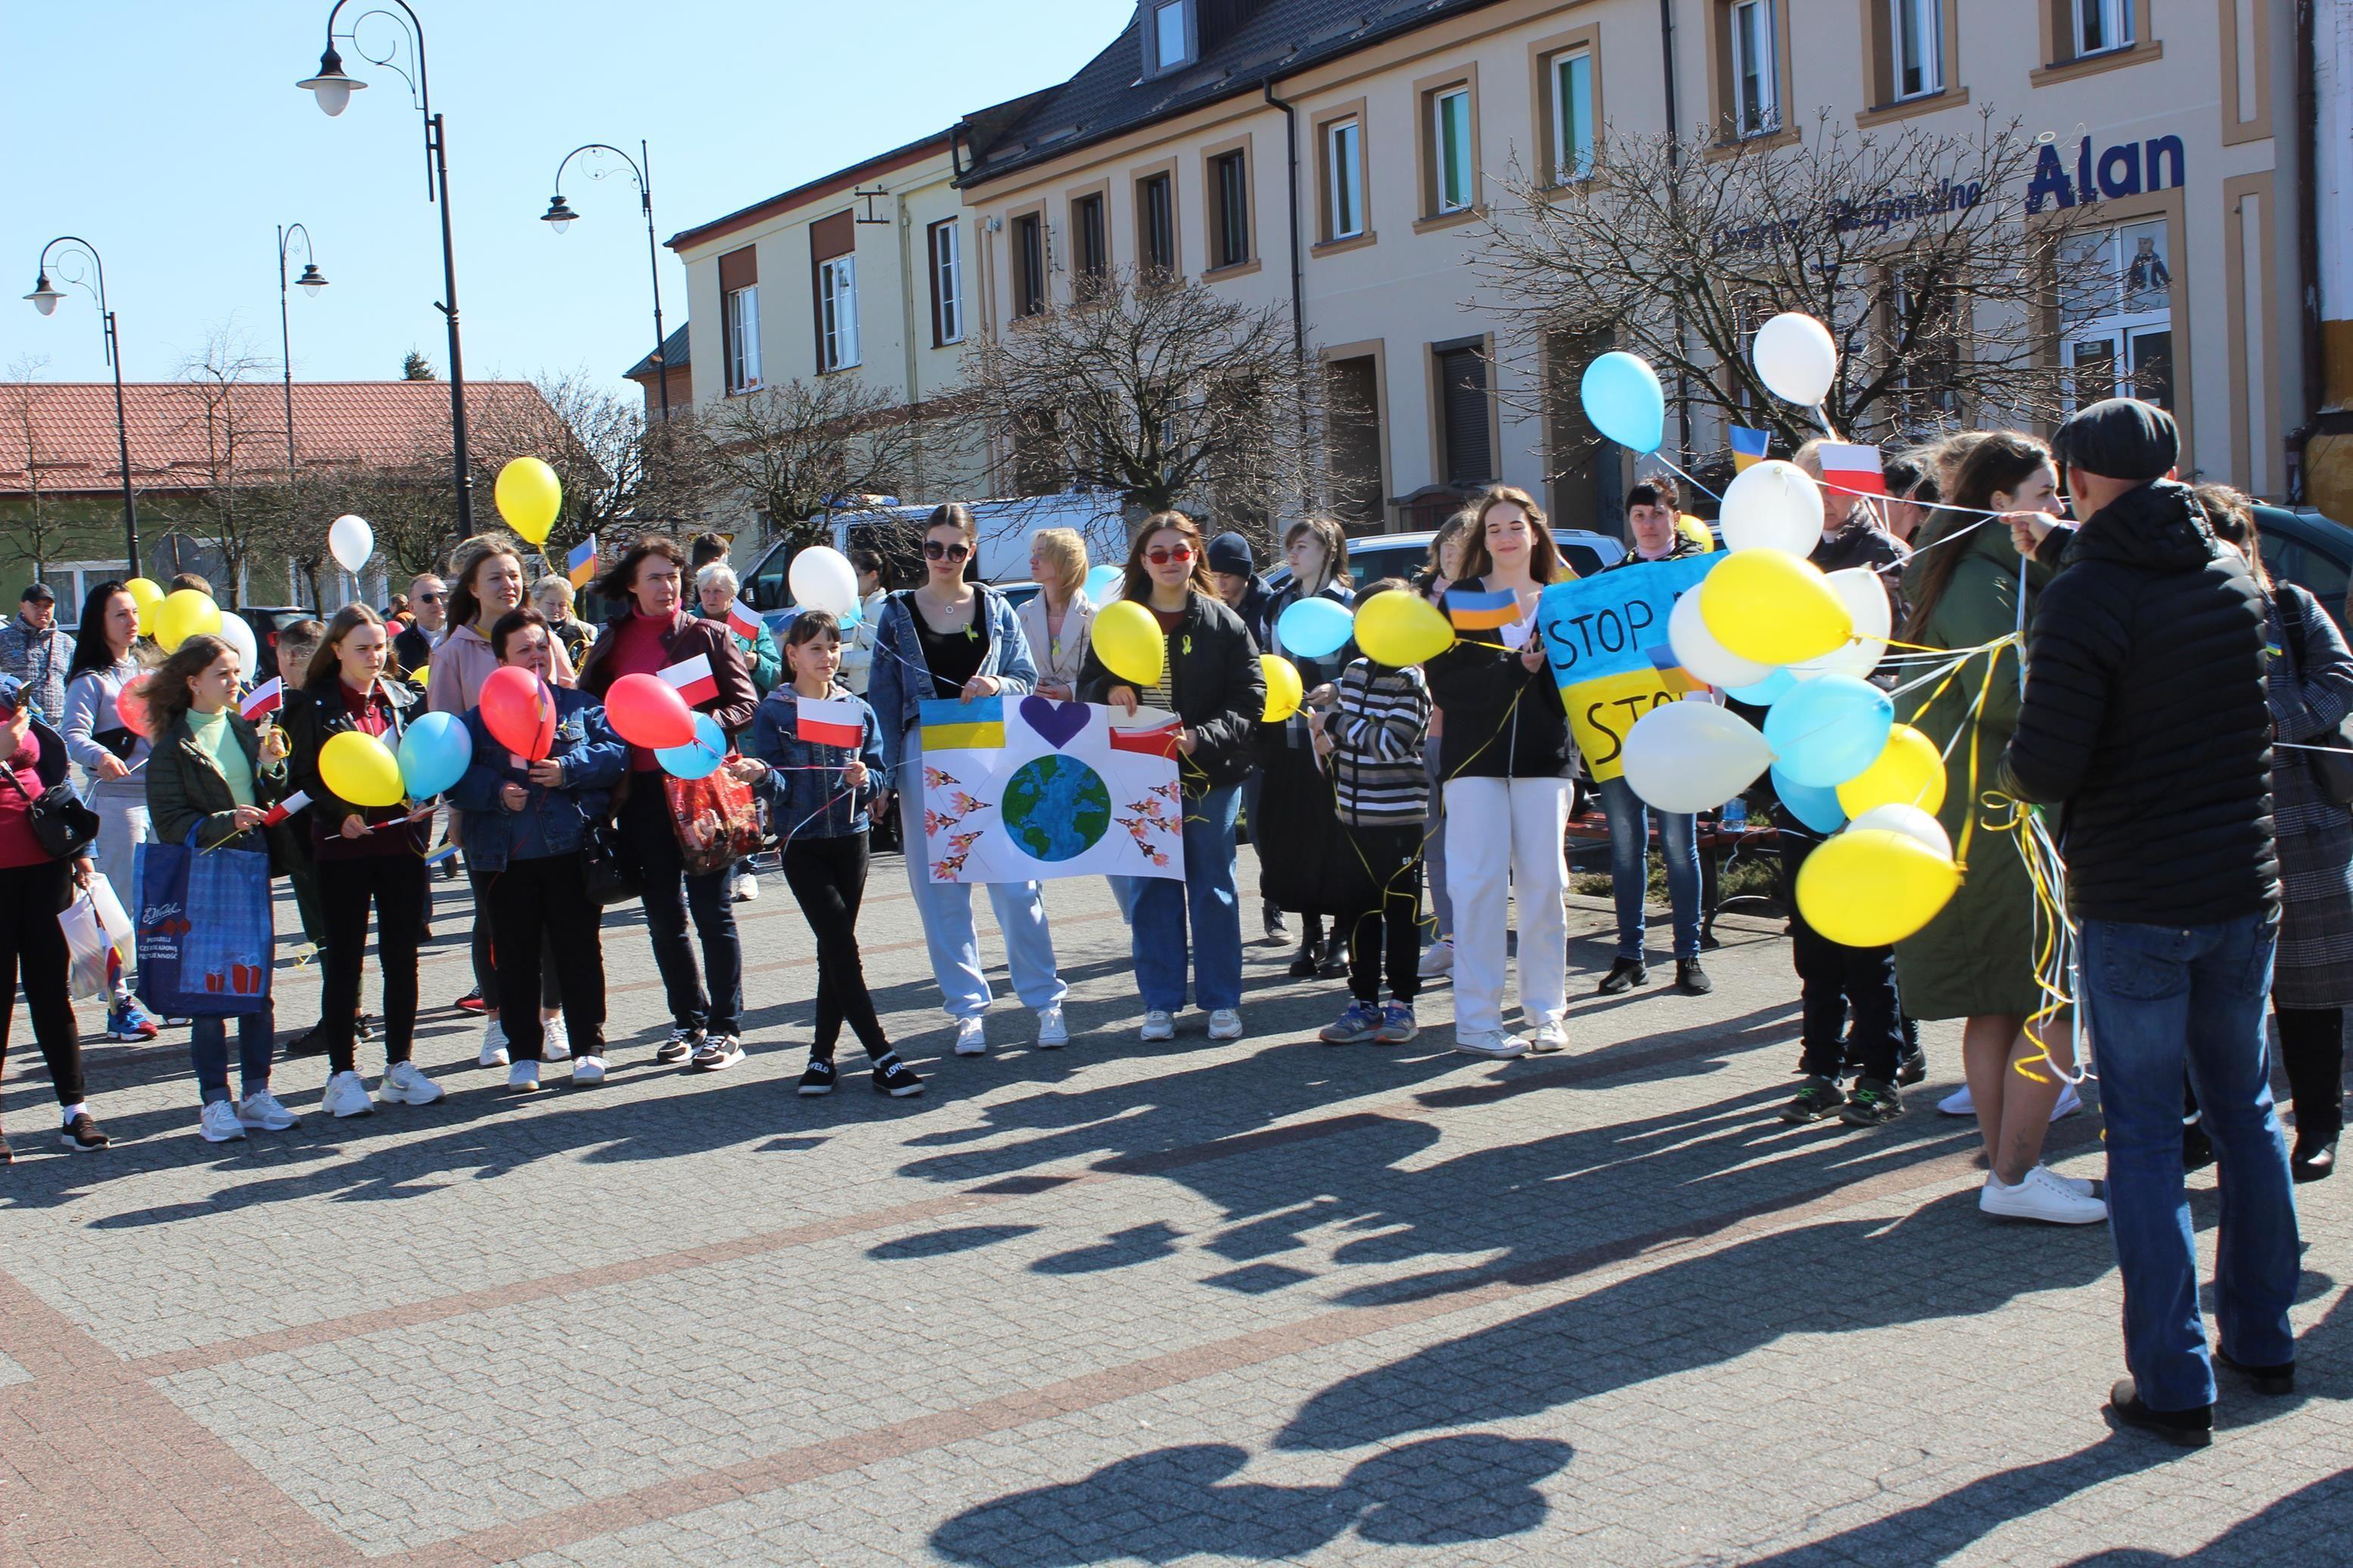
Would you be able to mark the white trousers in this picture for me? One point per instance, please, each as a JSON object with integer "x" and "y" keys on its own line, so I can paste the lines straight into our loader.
{"x": 1503, "y": 833}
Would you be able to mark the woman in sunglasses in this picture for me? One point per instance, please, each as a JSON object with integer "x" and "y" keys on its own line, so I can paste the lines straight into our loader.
{"x": 1212, "y": 680}
{"x": 953, "y": 640}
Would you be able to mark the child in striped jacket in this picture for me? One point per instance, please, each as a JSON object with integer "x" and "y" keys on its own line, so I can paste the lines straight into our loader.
{"x": 1372, "y": 741}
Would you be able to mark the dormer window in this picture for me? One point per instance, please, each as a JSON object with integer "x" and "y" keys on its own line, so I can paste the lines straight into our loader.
{"x": 1168, "y": 36}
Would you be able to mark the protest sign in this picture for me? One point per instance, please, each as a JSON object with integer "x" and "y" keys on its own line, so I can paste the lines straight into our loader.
{"x": 1030, "y": 790}
{"x": 1606, "y": 636}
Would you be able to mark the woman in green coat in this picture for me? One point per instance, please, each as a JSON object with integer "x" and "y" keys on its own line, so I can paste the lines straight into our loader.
{"x": 1976, "y": 961}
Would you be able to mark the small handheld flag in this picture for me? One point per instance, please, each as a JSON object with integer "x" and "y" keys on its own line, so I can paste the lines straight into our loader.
{"x": 829, "y": 721}
{"x": 287, "y": 807}
{"x": 693, "y": 679}
{"x": 266, "y": 697}
{"x": 950, "y": 725}
{"x": 1852, "y": 469}
{"x": 581, "y": 565}
{"x": 1157, "y": 741}
{"x": 1473, "y": 610}
{"x": 743, "y": 622}
{"x": 1748, "y": 445}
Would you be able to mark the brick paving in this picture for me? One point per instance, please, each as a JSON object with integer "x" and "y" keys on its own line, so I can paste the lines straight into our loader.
{"x": 1266, "y": 1301}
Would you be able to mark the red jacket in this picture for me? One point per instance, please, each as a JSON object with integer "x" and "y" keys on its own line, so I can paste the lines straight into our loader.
{"x": 738, "y": 698}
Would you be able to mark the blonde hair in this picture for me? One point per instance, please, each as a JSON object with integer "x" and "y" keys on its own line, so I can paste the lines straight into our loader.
{"x": 1067, "y": 550}
{"x": 552, "y": 583}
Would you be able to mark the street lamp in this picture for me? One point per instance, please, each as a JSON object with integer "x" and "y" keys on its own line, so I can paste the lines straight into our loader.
{"x": 333, "y": 89}
{"x": 560, "y": 216}
{"x": 309, "y": 283}
{"x": 44, "y": 297}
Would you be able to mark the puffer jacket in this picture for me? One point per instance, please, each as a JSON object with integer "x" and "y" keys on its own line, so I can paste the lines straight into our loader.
{"x": 1215, "y": 684}
{"x": 2145, "y": 717}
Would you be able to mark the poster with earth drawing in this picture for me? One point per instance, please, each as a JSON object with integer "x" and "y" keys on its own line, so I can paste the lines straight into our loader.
{"x": 1025, "y": 789}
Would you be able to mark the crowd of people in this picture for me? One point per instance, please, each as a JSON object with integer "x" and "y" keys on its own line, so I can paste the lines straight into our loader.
{"x": 2175, "y": 708}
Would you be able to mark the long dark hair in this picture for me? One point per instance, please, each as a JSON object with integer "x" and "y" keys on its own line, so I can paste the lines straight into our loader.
{"x": 1997, "y": 460}
{"x": 465, "y": 606}
{"x": 1335, "y": 541}
{"x": 1135, "y": 583}
{"x": 326, "y": 664}
{"x": 168, "y": 698}
{"x": 2230, "y": 514}
{"x": 90, "y": 648}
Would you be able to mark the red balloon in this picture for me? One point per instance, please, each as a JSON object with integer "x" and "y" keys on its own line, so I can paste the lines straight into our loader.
{"x": 131, "y": 707}
{"x": 647, "y": 710}
{"x": 519, "y": 711}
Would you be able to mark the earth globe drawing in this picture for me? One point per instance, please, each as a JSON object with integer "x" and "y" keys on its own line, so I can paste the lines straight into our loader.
{"x": 1055, "y": 807}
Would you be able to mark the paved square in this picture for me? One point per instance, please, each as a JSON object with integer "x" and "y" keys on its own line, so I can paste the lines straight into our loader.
{"x": 1244, "y": 1302}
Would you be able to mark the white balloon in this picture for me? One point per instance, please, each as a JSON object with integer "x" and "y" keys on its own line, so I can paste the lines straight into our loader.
{"x": 351, "y": 541}
{"x": 235, "y": 632}
{"x": 821, "y": 578}
{"x": 1860, "y": 590}
{"x": 1773, "y": 505}
{"x": 1693, "y": 756}
{"x": 1795, "y": 358}
{"x": 1699, "y": 653}
{"x": 1910, "y": 821}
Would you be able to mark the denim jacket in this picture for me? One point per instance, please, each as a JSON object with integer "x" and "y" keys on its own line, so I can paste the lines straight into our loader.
{"x": 802, "y": 803}
{"x": 902, "y": 683}
{"x": 552, "y": 821}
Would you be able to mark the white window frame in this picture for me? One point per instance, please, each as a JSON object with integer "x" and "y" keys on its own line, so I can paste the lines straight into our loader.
{"x": 1450, "y": 156}
{"x": 947, "y": 280}
{"x": 1162, "y": 12}
{"x": 1572, "y": 157}
{"x": 1755, "y": 52}
{"x": 72, "y": 581}
{"x": 837, "y": 294}
{"x": 1344, "y": 177}
{"x": 2113, "y": 18}
{"x": 1917, "y": 27}
{"x": 2120, "y": 328}
{"x": 740, "y": 312}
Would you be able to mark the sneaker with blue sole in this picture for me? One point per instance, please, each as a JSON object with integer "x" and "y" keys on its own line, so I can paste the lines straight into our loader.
{"x": 1361, "y": 1022}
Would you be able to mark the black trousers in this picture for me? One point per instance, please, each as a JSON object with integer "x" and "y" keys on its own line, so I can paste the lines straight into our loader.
{"x": 2312, "y": 1050}
{"x": 648, "y": 838}
{"x": 1833, "y": 979}
{"x": 32, "y": 943}
{"x": 397, "y": 884}
{"x": 486, "y": 958}
{"x": 1387, "y": 921}
{"x": 542, "y": 908}
{"x": 828, "y": 876}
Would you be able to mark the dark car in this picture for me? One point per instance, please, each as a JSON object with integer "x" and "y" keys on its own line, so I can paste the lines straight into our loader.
{"x": 2309, "y": 551}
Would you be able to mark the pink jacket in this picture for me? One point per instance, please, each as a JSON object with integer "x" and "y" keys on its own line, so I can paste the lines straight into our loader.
{"x": 462, "y": 661}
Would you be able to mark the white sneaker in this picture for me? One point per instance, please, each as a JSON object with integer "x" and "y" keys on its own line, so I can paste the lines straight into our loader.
{"x": 494, "y": 1045}
{"x": 218, "y": 1122}
{"x": 1437, "y": 959}
{"x": 1548, "y": 1038}
{"x": 1494, "y": 1043}
{"x": 2043, "y": 1195}
{"x": 2067, "y": 1104}
{"x": 971, "y": 1038}
{"x": 743, "y": 888}
{"x": 587, "y": 1072}
{"x": 523, "y": 1077}
{"x": 346, "y": 1096}
{"x": 1226, "y": 1024}
{"x": 406, "y": 1084}
{"x": 1159, "y": 1024}
{"x": 555, "y": 1041}
{"x": 2082, "y": 1184}
{"x": 260, "y": 1109}
{"x": 1053, "y": 1034}
{"x": 1957, "y": 1103}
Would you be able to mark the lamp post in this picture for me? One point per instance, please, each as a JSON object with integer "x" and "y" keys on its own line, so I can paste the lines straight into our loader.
{"x": 311, "y": 283}
{"x": 44, "y": 297}
{"x": 333, "y": 89}
{"x": 559, "y": 216}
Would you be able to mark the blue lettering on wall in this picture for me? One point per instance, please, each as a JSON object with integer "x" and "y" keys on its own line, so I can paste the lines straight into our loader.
{"x": 2126, "y": 168}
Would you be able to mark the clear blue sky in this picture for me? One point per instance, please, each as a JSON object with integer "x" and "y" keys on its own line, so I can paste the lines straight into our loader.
{"x": 172, "y": 136}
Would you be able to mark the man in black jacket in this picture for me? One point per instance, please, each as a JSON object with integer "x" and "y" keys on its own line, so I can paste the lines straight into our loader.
{"x": 2144, "y": 720}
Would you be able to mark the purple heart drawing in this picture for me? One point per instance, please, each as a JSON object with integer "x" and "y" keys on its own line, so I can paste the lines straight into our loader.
{"x": 1059, "y": 722}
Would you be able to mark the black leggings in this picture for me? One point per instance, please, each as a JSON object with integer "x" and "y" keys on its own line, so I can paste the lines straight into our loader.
{"x": 547, "y": 925}
{"x": 32, "y": 942}
{"x": 828, "y": 876}
{"x": 1390, "y": 925}
{"x": 2312, "y": 1050}
{"x": 397, "y": 884}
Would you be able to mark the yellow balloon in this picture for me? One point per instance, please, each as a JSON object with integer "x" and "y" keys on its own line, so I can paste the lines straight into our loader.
{"x": 185, "y": 614}
{"x": 1773, "y": 608}
{"x": 1908, "y": 773}
{"x": 1402, "y": 628}
{"x": 529, "y": 497}
{"x": 1695, "y": 530}
{"x": 1869, "y": 886}
{"x": 1284, "y": 690}
{"x": 360, "y": 770}
{"x": 149, "y": 597}
{"x": 1128, "y": 641}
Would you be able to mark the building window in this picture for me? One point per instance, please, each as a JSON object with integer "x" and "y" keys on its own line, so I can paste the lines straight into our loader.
{"x": 740, "y": 309}
{"x": 2116, "y": 320}
{"x": 1171, "y": 35}
{"x": 1028, "y": 265}
{"x": 947, "y": 283}
{"x": 1452, "y": 177}
{"x": 1343, "y": 179}
{"x": 837, "y": 303}
{"x": 1916, "y": 32}
{"x": 1230, "y": 226}
{"x": 1466, "y": 455}
{"x": 1090, "y": 244}
{"x": 1572, "y": 114}
{"x": 1353, "y": 416}
{"x": 2102, "y": 26}
{"x": 1756, "y": 97}
{"x": 1156, "y": 217}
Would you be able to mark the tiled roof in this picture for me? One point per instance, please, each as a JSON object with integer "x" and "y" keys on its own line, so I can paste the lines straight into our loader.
{"x": 914, "y": 152}
{"x": 1263, "y": 39}
{"x": 387, "y": 422}
{"x": 673, "y": 353}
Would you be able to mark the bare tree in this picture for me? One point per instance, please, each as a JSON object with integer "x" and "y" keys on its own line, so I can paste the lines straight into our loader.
{"x": 803, "y": 450}
{"x": 1917, "y": 251}
{"x": 240, "y": 504}
{"x": 620, "y": 475}
{"x": 43, "y": 524}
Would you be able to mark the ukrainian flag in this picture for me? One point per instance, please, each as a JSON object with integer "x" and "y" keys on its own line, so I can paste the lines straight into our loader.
{"x": 1478, "y": 612}
{"x": 977, "y": 725}
{"x": 1748, "y": 445}
{"x": 581, "y": 565}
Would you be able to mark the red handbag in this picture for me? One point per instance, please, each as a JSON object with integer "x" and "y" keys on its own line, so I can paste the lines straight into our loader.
{"x": 716, "y": 819}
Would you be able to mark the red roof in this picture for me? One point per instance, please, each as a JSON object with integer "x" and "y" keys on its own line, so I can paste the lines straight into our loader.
{"x": 175, "y": 429}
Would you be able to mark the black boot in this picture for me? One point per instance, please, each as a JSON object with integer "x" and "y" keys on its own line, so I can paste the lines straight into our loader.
{"x": 1309, "y": 956}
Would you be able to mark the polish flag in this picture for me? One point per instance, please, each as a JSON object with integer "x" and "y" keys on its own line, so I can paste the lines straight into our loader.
{"x": 1159, "y": 741}
{"x": 743, "y": 622}
{"x": 1852, "y": 469}
{"x": 693, "y": 679}
{"x": 830, "y": 720}
{"x": 266, "y": 697}
{"x": 287, "y": 807}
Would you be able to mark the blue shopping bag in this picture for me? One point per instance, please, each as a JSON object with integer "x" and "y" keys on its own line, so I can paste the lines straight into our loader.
{"x": 205, "y": 935}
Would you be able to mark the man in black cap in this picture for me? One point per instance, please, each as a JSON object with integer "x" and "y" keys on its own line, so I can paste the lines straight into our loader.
{"x": 36, "y": 652}
{"x": 2145, "y": 720}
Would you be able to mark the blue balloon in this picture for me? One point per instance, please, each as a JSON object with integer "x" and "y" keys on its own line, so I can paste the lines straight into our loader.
{"x": 700, "y": 758}
{"x": 1314, "y": 627}
{"x": 1816, "y": 808}
{"x": 1624, "y": 401}
{"x": 1828, "y": 730}
{"x": 433, "y": 755}
{"x": 849, "y": 617}
{"x": 1103, "y": 583}
{"x": 1766, "y": 692}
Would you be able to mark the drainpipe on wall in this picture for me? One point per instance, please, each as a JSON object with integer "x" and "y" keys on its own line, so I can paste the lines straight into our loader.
{"x": 2308, "y": 249}
{"x": 1291, "y": 144}
{"x": 1675, "y": 161}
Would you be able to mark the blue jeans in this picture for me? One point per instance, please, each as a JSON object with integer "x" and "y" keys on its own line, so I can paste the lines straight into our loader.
{"x": 2157, "y": 999}
{"x": 1630, "y": 844}
{"x": 1159, "y": 905}
{"x": 945, "y": 909}
{"x": 256, "y": 1034}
